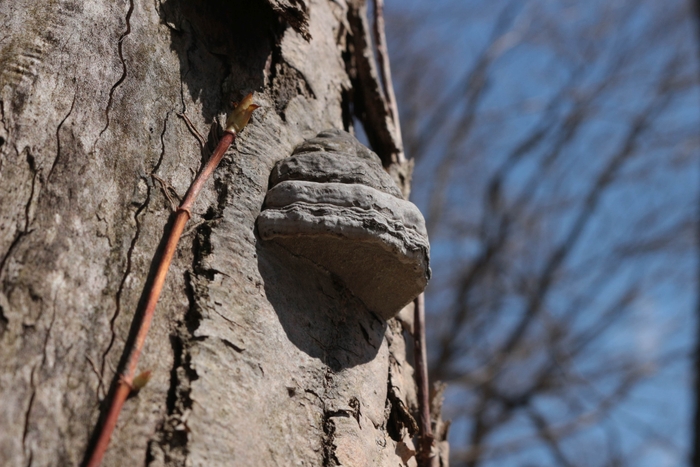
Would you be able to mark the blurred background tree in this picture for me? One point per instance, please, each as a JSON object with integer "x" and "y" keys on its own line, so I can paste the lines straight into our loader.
{"x": 556, "y": 148}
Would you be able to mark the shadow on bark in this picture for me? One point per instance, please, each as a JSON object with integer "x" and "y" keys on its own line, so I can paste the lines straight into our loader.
{"x": 223, "y": 47}
{"x": 318, "y": 314}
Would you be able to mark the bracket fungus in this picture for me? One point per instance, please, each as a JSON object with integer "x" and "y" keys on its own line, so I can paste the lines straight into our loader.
{"x": 332, "y": 203}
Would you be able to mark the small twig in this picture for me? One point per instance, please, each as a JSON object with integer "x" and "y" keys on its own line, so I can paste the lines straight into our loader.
{"x": 426, "y": 430}
{"x": 193, "y": 130}
{"x": 387, "y": 83}
{"x": 101, "y": 385}
{"x": 194, "y": 228}
{"x": 166, "y": 188}
{"x": 236, "y": 121}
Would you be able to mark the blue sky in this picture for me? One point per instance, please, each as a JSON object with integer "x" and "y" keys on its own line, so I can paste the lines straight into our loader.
{"x": 548, "y": 49}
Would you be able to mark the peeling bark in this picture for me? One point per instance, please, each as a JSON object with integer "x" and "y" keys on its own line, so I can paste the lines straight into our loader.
{"x": 252, "y": 363}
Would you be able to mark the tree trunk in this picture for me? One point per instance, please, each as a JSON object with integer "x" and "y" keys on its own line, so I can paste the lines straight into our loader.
{"x": 252, "y": 362}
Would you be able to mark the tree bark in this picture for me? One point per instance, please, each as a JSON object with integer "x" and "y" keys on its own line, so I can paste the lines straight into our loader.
{"x": 253, "y": 363}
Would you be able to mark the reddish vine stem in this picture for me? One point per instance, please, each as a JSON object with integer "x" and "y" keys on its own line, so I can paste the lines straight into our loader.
{"x": 236, "y": 121}
{"x": 426, "y": 439}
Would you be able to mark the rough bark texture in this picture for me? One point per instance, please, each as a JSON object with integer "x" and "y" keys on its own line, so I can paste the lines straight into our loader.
{"x": 253, "y": 364}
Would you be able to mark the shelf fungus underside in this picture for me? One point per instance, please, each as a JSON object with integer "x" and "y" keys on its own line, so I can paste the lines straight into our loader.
{"x": 332, "y": 203}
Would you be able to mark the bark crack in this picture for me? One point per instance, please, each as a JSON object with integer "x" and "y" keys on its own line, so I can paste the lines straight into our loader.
{"x": 231, "y": 345}
{"x": 27, "y": 212}
{"x": 48, "y": 334}
{"x": 162, "y": 143}
{"x": 120, "y": 50}
{"x": 27, "y": 415}
{"x": 13, "y": 245}
{"x": 286, "y": 82}
{"x": 4, "y": 126}
{"x": 398, "y": 417}
{"x": 330, "y": 459}
{"x": 172, "y": 437}
{"x": 120, "y": 289}
{"x": 58, "y": 137}
{"x": 28, "y": 206}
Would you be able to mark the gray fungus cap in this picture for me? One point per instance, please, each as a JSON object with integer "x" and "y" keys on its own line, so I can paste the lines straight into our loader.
{"x": 332, "y": 202}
